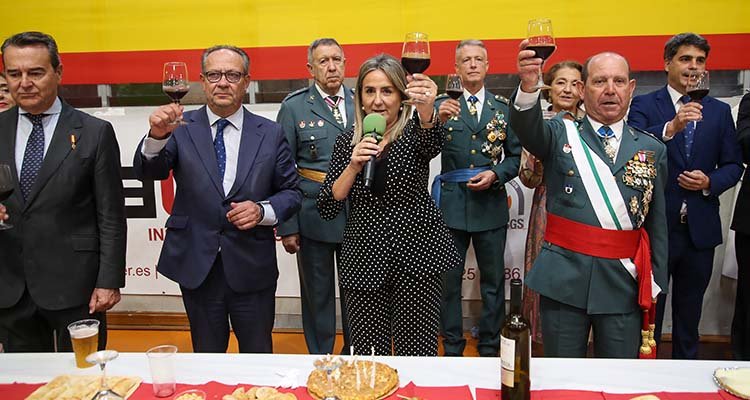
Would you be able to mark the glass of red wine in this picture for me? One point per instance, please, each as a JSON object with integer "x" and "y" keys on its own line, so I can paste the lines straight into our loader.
{"x": 542, "y": 41}
{"x": 454, "y": 88}
{"x": 698, "y": 85}
{"x": 176, "y": 84}
{"x": 415, "y": 55}
{"x": 6, "y": 189}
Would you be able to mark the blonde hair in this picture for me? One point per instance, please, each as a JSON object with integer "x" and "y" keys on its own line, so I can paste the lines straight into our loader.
{"x": 397, "y": 75}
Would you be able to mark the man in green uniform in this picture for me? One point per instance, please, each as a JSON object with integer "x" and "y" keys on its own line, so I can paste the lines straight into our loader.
{"x": 480, "y": 155}
{"x": 604, "y": 258}
{"x": 312, "y": 118}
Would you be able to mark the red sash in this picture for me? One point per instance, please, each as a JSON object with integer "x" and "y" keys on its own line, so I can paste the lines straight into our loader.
{"x": 613, "y": 244}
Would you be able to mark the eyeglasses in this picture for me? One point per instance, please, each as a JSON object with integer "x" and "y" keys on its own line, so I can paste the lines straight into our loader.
{"x": 215, "y": 76}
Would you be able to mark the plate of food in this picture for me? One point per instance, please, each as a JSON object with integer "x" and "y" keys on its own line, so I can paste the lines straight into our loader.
{"x": 735, "y": 380}
{"x": 83, "y": 387}
{"x": 355, "y": 380}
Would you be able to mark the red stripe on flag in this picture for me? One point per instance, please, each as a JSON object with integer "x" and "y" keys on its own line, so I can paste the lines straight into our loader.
{"x": 643, "y": 52}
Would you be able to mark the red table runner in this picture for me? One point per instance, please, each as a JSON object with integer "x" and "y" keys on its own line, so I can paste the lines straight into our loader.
{"x": 493, "y": 394}
{"x": 215, "y": 390}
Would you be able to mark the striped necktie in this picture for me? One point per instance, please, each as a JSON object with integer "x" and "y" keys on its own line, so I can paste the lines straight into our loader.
{"x": 33, "y": 155}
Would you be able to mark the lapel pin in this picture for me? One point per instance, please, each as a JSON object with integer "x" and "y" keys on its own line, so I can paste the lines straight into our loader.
{"x": 320, "y": 123}
{"x": 72, "y": 141}
{"x": 301, "y": 124}
{"x": 566, "y": 148}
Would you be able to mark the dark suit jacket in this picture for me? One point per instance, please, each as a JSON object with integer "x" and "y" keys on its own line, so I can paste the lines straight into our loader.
{"x": 69, "y": 236}
{"x": 401, "y": 230}
{"x": 307, "y": 121}
{"x": 741, "y": 221}
{"x": 462, "y": 208}
{"x": 715, "y": 152}
{"x": 598, "y": 285}
{"x": 198, "y": 226}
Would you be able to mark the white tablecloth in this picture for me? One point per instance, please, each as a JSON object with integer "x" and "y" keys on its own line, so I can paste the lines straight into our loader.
{"x": 614, "y": 376}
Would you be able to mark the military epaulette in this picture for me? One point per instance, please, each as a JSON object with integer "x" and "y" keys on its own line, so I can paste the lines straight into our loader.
{"x": 295, "y": 93}
{"x": 502, "y": 99}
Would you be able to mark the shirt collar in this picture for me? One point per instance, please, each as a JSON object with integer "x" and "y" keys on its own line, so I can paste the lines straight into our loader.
{"x": 479, "y": 95}
{"x": 323, "y": 94}
{"x": 234, "y": 119}
{"x": 55, "y": 108}
{"x": 617, "y": 127}
{"x": 674, "y": 94}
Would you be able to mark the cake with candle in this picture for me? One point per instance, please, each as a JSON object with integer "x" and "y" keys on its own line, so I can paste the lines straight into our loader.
{"x": 354, "y": 379}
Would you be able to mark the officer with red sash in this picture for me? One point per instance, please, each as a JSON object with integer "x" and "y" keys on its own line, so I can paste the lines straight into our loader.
{"x": 604, "y": 257}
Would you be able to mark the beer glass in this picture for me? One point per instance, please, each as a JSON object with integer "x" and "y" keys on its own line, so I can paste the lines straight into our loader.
{"x": 84, "y": 335}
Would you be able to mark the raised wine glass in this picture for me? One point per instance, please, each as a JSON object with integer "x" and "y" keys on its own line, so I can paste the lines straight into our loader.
{"x": 176, "y": 84}
{"x": 542, "y": 41}
{"x": 415, "y": 55}
{"x": 101, "y": 358}
{"x": 698, "y": 85}
{"x": 454, "y": 88}
{"x": 6, "y": 189}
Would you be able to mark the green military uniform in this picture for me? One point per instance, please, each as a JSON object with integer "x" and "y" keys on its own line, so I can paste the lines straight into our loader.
{"x": 480, "y": 217}
{"x": 311, "y": 130}
{"x": 577, "y": 290}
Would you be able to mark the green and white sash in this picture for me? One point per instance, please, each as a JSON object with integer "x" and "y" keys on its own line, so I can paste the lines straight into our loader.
{"x": 602, "y": 191}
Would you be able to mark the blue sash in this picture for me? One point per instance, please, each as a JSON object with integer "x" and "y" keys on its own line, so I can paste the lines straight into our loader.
{"x": 455, "y": 176}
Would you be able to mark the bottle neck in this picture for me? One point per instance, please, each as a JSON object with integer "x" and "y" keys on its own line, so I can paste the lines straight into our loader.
{"x": 515, "y": 298}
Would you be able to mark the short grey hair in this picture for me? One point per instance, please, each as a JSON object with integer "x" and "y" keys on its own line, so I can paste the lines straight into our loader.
{"x": 469, "y": 42}
{"x": 321, "y": 42}
{"x": 239, "y": 51}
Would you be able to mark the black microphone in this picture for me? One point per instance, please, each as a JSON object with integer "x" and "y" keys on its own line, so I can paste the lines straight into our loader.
{"x": 373, "y": 126}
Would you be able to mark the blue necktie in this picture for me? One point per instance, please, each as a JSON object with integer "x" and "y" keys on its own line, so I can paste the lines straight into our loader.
{"x": 473, "y": 100}
{"x": 689, "y": 131}
{"x": 221, "y": 151}
{"x": 34, "y": 154}
{"x": 605, "y": 133}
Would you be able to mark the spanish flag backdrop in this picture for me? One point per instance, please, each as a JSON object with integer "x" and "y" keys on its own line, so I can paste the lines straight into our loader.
{"x": 127, "y": 41}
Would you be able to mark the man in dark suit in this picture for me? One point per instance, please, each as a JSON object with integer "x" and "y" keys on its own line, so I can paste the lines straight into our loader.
{"x": 235, "y": 180}
{"x": 704, "y": 160}
{"x": 64, "y": 258}
{"x": 480, "y": 155}
{"x": 741, "y": 226}
{"x": 605, "y": 204}
{"x": 312, "y": 118}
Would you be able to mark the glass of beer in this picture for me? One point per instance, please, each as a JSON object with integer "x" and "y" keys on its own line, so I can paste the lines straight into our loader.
{"x": 84, "y": 335}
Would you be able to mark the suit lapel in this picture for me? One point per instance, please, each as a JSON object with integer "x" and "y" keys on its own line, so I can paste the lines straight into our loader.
{"x": 666, "y": 110}
{"x": 67, "y": 124}
{"x": 488, "y": 109}
{"x": 319, "y": 107}
{"x": 349, "y": 96}
{"x": 8, "y": 147}
{"x": 252, "y": 138}
{"x": 199, "y": 132}
{"x": 628, "y": 147}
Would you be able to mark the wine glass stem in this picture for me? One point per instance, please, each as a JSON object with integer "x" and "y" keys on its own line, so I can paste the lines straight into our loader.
{"x": 104, "y": 376}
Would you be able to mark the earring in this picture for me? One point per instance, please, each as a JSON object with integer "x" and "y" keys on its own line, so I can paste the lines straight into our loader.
{"x": 363, "y": 108}
{"x": 401, "y": 108}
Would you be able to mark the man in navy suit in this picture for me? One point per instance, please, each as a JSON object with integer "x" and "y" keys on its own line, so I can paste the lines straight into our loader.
{"x": 235, "y": 181}
{"x": 704, "y": 160}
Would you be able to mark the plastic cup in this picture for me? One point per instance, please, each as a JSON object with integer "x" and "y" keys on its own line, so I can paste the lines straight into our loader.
{"x": 84, "y": 336}
{"x": 161, "y": 363}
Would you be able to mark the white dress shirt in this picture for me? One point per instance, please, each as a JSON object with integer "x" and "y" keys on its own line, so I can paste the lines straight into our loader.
{"x": 479, "y": 104}
{"x": 342, "y": 103}
{"x": 24, "y": 127}
{"x": 232, "y": 138}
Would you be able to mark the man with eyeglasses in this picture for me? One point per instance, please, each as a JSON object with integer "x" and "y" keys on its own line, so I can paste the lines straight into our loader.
{"x": 312, "y": 119}
{"x": 235, "y": 180}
